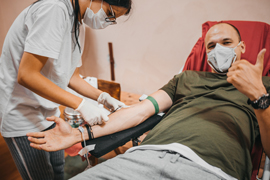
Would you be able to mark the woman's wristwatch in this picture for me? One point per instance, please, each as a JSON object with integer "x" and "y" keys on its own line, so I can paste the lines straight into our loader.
{"x": 262, "y": 103}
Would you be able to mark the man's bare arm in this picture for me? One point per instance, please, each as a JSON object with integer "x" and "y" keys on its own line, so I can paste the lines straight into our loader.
{"x": 263, "y": 117}
{"x": 130, "y": 117}
{"x": 63, "y": 136}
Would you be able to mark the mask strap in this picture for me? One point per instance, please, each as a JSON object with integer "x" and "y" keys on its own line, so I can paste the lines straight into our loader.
{"x": 237, "y": 45}
{"x": 102, "y": 4}
{"x": 90, "y": 4}
{"x": 234, "y": 58}
{"x": 234, "y": 52}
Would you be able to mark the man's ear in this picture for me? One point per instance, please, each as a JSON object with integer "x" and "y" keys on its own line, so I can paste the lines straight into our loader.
{"x": 243, "y": 47}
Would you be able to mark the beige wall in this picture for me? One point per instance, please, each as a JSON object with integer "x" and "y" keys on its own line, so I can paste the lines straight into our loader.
{"x": 9, "y": 10}
{"x": 152, "y": 45}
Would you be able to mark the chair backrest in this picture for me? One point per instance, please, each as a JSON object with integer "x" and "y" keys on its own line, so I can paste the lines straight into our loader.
{"x": 256, "y": 36}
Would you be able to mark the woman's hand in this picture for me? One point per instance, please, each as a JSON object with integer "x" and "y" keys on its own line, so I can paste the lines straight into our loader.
{"x": 60, "y": 137}
{"x": 110, "y": 102}
{"x": 92, "y": 114}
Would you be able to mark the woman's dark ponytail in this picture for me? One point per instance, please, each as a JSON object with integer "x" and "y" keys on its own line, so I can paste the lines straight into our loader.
{"x": 76, "y": 24}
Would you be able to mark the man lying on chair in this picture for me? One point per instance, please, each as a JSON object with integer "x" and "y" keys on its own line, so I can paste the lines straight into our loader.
{"x": 208, "y": 131}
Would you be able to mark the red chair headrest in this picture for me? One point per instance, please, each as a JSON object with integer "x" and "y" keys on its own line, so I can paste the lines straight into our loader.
{"x": 256, "y": 36}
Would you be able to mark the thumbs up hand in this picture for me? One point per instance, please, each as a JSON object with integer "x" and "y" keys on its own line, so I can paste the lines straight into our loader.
{"x": 247, "y": 78}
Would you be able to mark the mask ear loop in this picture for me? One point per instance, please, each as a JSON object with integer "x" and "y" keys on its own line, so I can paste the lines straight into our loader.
{"x": 237, "y": 45}
{"x": 234, "y": 51}
{"x": 234, "y": 58}
{"x": 101, "y": 4}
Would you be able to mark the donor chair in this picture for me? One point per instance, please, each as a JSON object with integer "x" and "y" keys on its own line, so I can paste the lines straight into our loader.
{"x": 256, "y": 35}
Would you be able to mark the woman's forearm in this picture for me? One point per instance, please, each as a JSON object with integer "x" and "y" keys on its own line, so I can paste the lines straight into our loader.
{"x": 82, "y": 87}
{"x": 42, "y": 86}
{"x": 30, "y": 77}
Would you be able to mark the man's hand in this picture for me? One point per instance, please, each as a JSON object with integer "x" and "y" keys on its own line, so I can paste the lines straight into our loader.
{"x": 58, "y": 138}
{"x": 247, "y": 78}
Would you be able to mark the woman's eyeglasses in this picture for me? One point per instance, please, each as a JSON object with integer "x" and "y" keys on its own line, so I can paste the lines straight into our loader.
{"x": 111, "y": 18}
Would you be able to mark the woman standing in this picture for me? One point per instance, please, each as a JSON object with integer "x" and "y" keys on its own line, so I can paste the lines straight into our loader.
{"x": 40, "y": 58}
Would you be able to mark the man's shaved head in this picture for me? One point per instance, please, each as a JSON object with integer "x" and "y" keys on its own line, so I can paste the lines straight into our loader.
{"x": 236, "y": 30}
{"x": 221, "y": 32}
{"x": 226, "y": 35}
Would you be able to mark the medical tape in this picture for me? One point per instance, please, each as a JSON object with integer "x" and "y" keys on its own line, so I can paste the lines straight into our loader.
{"x": 86, "y": 149}
{"x": 80, "y": 128}
{"x": 154, "y": 102}
{"x": 84, "y": 152}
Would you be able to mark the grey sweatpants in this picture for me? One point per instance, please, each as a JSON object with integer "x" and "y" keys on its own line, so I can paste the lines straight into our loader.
{"x": 147, "y": 165}
{"x": 35, "y": 164}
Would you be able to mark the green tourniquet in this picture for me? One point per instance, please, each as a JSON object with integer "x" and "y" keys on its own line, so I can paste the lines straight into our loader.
{"x": 210, "y": 116}
{"x": 150, "y": 98}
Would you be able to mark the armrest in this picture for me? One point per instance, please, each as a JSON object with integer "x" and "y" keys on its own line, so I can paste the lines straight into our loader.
{"x": 108, "y": 143}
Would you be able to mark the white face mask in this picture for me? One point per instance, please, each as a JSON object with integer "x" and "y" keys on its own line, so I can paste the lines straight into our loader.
{"x": 96, "y": 21}
{"x": 221, "y": 58}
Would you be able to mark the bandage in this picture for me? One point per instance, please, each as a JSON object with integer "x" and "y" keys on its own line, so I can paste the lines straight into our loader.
{"x": 154, "y": 102}
{"x": 85, "y": 151}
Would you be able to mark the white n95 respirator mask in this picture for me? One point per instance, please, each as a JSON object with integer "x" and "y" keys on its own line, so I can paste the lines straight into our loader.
{"x": 98, "y": 20}
{"x": 221, "y": 58}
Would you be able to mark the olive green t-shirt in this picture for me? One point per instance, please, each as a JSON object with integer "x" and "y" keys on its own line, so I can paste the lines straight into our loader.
{"x": 210, "y": 116}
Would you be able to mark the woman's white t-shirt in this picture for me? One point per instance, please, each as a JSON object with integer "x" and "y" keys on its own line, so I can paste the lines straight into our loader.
{"x": 45, "y": 29}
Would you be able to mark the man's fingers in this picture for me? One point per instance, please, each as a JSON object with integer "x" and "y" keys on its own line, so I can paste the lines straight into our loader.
{"x": 44, "y": 147}
{"x": 229, "y": 74}
{"x": 232, "y": 68}
{"x": 235, "y": 65}
{"x": 37, "y": 141}
{"x": 260, "y": 59}
{"x": 229, "y": 80}
{"x": 55, "y": 119}
{"x": 36, "y": 146}
{"x": 36, "y": 134}
{"x": 52, "y": 118}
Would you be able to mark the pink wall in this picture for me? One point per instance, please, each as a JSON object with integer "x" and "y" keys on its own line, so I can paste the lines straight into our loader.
{"x": 152, "y": 45}
{"x": 9, "y": 10}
